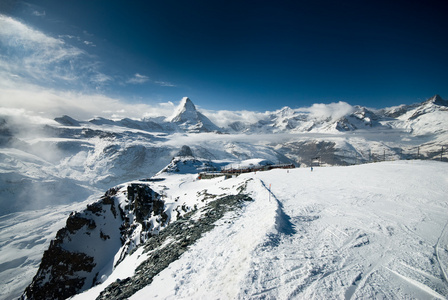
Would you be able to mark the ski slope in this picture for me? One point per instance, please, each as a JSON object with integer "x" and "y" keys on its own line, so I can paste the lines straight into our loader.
{"x": 369, "y": 231}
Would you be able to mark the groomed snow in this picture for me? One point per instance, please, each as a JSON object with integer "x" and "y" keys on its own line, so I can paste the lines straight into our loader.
{"x": 370, "y": 231}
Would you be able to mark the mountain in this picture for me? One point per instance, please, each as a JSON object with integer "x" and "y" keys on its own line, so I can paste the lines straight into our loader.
{"x": 190, "y": 120}
{"x": 40, "y": 162}
{"x": 173, "y": 236}
{"x": 96, "y": 240}
{"x": 48, "y": 166}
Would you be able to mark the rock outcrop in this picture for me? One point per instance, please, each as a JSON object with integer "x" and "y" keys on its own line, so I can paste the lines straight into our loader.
{"x": 97, "y": 239}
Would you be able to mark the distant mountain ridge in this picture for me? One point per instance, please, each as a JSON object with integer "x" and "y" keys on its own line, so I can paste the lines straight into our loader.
{"x": 39, "y": 164}
{"x": 187, "y": 118}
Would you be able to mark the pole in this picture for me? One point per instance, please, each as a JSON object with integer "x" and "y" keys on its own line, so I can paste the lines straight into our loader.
{"x": 384, "y": 155}
{"x": 418, "y": 152}
{"x": 269, "y": 192}
{"x": 441, "y": 154}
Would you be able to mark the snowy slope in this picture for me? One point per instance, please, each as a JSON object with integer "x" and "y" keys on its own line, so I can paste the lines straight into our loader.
{"x": 347, "y": 232}
{"x": 370, "y": 231}
{"x": 314, "y": 235}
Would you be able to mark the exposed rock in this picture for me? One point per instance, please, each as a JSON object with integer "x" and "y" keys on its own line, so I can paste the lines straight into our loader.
{"x": 91, "y": 239}
{"x": 67, "y": 121}
{"x": 185, "y": 151}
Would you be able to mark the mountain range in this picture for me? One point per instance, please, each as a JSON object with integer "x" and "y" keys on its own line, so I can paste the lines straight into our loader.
{"x": 64, "y": 160}
{"x": 149, "y": 169}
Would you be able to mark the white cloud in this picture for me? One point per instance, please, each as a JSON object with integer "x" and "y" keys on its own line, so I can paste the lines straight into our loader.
{"x": 52, "y": 103}
{"x": 223, "y": 118}
{"x": 34, "y": 54}
{"x": 138, "y": 79}
{"x": 164, "y": 83}
{"x": 89, "y": 43}
{"x": 101, "y": 78}
{"x": 45, "y": 60}
{"x": 331, "y": 111}
{"x": 38, "y": 13}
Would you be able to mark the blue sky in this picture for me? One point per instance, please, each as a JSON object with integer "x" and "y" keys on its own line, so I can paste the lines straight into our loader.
{"x": 228, "y": 55}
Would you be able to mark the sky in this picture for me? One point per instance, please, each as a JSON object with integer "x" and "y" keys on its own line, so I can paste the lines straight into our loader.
{"x": 112, "y": 57}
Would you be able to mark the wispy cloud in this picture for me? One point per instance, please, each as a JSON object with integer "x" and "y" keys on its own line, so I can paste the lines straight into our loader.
{"x": 32, "y": 53}
{"x": 41, "y": 59}
{"x": 164, "y": 83}
{"x": 101, "y": 78}
{"x": 38, "y": 13}
{"x": 49, "y": 76}
{"x": 141, "y": 79}
{"x": 138, "y": 79}
{"x": 88, "y": 43}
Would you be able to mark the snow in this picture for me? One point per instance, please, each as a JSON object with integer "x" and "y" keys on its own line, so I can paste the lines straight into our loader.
{"x": 61, "y": 164}
{"x": 344, "y": 232}
{"x": 23, "y": 239}
{"x": 376, "y": 230}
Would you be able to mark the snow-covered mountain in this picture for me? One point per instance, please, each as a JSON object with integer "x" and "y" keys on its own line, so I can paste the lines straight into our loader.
{"x": 65, "y": 160}
{"x": 190, "y": 120}
{"x": 44, "y": 163}
{"x": 96, "y": 240}
{"x": 258, "y": 235}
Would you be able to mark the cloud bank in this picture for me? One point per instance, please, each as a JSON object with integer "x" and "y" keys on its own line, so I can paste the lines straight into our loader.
{"x": 331, "y": 111}
{"x": 51, "y": 103}
{"x": 223, "y": 118}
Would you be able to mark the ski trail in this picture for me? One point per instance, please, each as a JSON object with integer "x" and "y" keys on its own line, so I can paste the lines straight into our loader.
{"x": 443, "y": 236}
{"x": 419, "y": 285}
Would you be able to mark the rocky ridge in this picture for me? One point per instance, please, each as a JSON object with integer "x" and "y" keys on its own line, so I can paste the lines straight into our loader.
{"x": 97, "y": 239}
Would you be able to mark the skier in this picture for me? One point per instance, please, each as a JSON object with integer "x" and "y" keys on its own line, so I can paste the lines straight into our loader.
{"x": 311, "y": 169}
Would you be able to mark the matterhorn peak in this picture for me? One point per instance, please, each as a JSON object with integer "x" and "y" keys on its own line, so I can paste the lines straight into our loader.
{"x": 438, "y": 100}
{"x": 184, "y": 112}
{"x": 187, "y": 117}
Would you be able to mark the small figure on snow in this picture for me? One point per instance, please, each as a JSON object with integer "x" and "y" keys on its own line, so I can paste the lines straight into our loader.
{"x": 311, "y": 169}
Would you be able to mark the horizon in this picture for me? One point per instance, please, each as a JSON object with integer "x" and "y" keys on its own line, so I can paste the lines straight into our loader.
{"x": 114, "y": 59}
